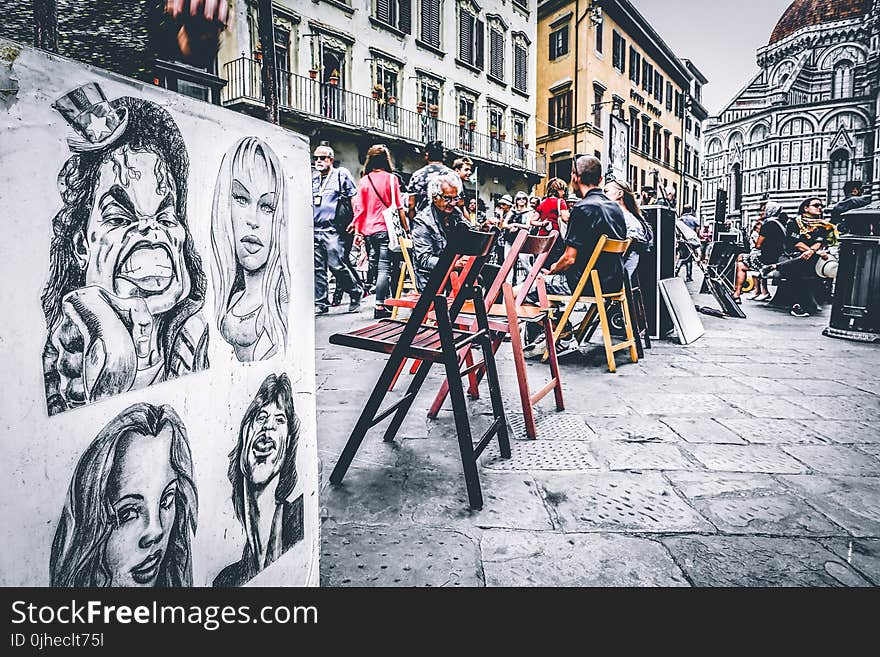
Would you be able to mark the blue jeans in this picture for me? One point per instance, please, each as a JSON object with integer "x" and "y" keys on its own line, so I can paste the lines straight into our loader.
{"x": 380, "y": 264}
{"x": 330, "y": 253}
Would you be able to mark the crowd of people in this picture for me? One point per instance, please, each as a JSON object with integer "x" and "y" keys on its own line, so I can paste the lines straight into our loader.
{"x": 362, "y": 221}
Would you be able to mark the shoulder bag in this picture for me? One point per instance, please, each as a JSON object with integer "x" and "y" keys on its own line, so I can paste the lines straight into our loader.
{"x": 391, "y": 215}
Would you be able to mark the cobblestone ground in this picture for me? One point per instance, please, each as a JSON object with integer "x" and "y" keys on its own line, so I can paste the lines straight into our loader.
{"x": 749, "y": 458}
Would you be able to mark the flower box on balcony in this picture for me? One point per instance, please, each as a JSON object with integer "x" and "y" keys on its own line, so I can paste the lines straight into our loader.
{"x": 493, "y": 131}
{"x": 421, "y": 106}
{"x": 392, "y": 100}
{"x": 462, "y": 119}
{"x": 313, "y": 73}
{"x": 472, "y": 124}
{"x": 434, "y": 110}
{"x": 503, "y": 135}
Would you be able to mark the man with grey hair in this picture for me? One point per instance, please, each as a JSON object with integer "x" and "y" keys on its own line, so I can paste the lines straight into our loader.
{"x": 433, "y": 224}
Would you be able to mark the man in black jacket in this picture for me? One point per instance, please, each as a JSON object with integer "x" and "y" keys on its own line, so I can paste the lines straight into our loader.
{"x": 590, "y": 218}
{"x": 854, "y": 200}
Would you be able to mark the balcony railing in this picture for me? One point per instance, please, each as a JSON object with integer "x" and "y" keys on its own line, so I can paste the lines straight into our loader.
{"x": 329, "y": 103}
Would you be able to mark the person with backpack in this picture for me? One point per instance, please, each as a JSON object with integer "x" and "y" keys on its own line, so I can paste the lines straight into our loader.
{"x": 332, "y": 189}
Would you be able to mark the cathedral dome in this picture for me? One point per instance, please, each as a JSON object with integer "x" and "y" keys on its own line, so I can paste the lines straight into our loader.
{"x": 805, "y": 13}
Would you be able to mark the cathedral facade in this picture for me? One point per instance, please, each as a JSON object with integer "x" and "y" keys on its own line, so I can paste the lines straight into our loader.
{"x": 809, "y": 121}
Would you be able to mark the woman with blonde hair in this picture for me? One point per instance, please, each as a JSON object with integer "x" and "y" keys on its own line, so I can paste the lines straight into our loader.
{"x": 249, "y": 240}
{"x": 378, "y": 190}
{"x": 637, "y": 228}
{"x": 552, "y": 214}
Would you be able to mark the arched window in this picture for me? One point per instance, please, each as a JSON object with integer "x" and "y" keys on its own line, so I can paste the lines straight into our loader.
{"x": 714, "y": 146}
{"x": 838, "y": 174}
{"x": 843, "y": 80}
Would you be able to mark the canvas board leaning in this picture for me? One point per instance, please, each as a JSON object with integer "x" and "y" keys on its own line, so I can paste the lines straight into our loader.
{"x": 688, "y": 325}
{"x": 158, "y": 356}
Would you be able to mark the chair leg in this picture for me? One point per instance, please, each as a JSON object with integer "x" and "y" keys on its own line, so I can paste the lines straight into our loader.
{"x": 603, "y": 321}
{"x": 554, "y": 363}
{"x": 397, "y": 375}
{"x": 632, "y": 315}
{"x": 365, "y": 420}
{"x": 473, "y": 384}
{"x": 492, "y": 378}
{"x": 522, "y": 376}
{"x": 400, "y": 413}
{"x": 459, "y": 409}
{"x": 628, "y": 327}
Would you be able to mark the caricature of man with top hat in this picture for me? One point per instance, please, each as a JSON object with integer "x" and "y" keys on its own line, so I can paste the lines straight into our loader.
{"x": 125, "y": 286}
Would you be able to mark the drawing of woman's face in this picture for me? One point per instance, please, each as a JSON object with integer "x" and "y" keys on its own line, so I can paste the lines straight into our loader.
{"x": 142, "y": 491}
{"x": 133, "y": 244}
{"x": 253, "y": 209}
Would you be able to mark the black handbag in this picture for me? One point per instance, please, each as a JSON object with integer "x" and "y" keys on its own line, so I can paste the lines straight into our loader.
{"x": 344, "y": 212}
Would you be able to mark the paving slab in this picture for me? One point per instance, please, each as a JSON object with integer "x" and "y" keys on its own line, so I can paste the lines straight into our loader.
{"x": 771, "y": 431}
{"x": 367, "y": 495}
{"x": 745, "y": 458}
{"x": 863, "y": 554}
{"x": 751, "y": 504}
{"x": 873, "y": 450}
{"x": 674, "y": 404}
{"x": 760, "y": 561}
{"x": 856, "y": 407}
{"x": 536, "y": 455}
{"x": 549, "y": 424}
{"x": 845, "y": 431}
{"x": 510, "y": 500}
{"x": 552, "y": 559}
{"x": 852, "y": 502}
{"x": 703, "y": 430}
{"x": 617, "y": 501}
{"x": 822, "y": 387}
{"x": 835, "y": 460}
{"x": 765, "y": 406}
{"x": 354, "y": 555}
{"x": 619, "y": 455}
{"x": 633, "y": 429}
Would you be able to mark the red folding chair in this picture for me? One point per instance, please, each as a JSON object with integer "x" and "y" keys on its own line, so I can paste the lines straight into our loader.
{"x": 506, "y": 318}
{"x": 433, "y": 343}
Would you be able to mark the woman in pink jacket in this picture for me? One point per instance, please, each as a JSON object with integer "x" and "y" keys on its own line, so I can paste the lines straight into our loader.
{"x": 378, "y": 190}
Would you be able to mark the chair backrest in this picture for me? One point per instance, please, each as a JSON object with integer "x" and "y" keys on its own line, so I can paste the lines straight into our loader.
{"x": 539, "y": 247}
{"x": 408, "y": 268}
{"x": 494, "y": 289}
{"x": 463, "y": 241}
{"x": 604, "y": 245}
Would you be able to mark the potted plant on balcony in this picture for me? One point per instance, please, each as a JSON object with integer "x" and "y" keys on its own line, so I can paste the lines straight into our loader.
{"x": 472, "y": 124}
{"x": 313, "y": 73}
{"x": 434, "y": 110}
{"x": 503, "y": 135}
{"x": 334, "y": 78}
{"x": 462, "y": 119}
{"x": 392, "y": 100}
{"x": 421, "y": 106}
{"x": 378, "y": 90}
{"x": 493, "y": 131}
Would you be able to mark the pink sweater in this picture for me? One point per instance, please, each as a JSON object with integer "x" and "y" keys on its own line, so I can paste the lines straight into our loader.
{"x": 368, "y": 218}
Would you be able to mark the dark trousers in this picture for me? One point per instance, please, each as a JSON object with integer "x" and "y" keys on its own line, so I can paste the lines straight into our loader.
{"x": 380, "y": 263}
{"x": 329, "y": 254}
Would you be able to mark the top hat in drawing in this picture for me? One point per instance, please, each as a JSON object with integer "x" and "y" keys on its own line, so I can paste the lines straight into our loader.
{"x": 96, "y": 122}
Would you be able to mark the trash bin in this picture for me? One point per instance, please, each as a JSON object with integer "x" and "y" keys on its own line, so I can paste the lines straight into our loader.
{"x": 855, "y": 311}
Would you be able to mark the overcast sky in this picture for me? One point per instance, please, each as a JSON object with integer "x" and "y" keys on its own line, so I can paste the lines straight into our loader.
{"x": 719, "y": 37}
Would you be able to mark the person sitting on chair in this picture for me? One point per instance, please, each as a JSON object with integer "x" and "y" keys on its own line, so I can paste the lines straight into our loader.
{"x": 592, "y": 217}
{"x": 433, "y": 224}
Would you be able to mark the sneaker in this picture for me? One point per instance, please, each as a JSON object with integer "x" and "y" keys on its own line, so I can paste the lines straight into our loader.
{"x": 355, "y": 303}
{"x": 381, "y": 313}
{"x": 754, "y": 297}
{"x": 535, "y": 349}
{"x": 763, "y": 297}
{"x": 797, "y": 311}
{"x": 337, "y": 299}
{"x": 564, "y": 347}
{"x": 321, "y": 310}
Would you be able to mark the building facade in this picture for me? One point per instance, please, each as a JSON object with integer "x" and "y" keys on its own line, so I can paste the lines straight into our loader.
{"x": 603, "y": 57}
{"x": 400, "y": 72}
{"x": 695, "y": 116}
{"x": 809, "y": 121}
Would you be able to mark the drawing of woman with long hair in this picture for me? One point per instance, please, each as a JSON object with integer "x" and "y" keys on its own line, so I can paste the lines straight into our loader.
{"x": 132, "y": 507}
{"x": 249, "y": 239}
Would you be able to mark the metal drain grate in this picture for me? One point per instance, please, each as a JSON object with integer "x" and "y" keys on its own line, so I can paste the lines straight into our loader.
{"x": 543, "y": 455}
{"x": 550, "y": 425}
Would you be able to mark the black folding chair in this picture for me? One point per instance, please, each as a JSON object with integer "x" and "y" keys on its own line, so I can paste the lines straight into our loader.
{"x": 430, "y": 344}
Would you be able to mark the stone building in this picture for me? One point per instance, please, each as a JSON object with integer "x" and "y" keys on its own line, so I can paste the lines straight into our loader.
{"x": 695, "y": 115}
{"x": 609, "y": 59}
{"x": 809, "y": 121}
{"x": 400, "y": 72}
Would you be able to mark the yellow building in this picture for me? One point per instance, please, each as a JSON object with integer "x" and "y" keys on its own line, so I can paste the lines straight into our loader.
{"x": 604, "y": 57}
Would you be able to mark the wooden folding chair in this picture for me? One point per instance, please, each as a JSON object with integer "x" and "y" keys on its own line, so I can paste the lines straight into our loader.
{"x": 406, "y": 294}
{"x": 505, "y": 318}
{"x": 440, "y": 343}
{"x": 599, "y": 298}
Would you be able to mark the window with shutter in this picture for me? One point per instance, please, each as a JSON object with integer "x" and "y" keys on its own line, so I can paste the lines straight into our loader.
{"x": 658, "y": 86}
{"x": 618, "y": 51}
{"x": 559, "y": 43}
{"x": 635, "y": 65}
{"x": 520, "y": 67}
{"x": 496, "y": 55}
{"x": 479, "y": 42}
{"x": 669, "y": 96}
{"x": 404, "y": 23}
{"x": 466, "y": 35}
{"x": 430, "y": 22}
{"x": 384, "y": 9}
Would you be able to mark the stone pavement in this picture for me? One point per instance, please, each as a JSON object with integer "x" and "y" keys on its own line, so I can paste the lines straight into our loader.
{"x": 749, "y": 458}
